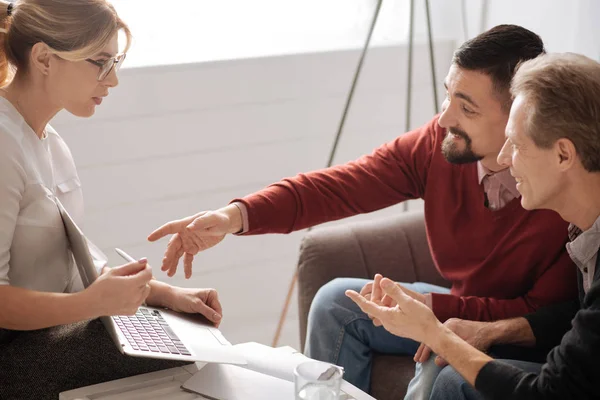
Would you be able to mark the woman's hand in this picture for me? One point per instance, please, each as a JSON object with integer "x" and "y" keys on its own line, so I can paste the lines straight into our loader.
{"x": 120, "y": 290}
{"x": 196, "y": 301}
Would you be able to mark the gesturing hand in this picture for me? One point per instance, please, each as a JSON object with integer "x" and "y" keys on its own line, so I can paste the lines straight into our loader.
{"x": 372, "y": 291}
{"x": 407, "y": 318}
{"x": 192, "y": 235}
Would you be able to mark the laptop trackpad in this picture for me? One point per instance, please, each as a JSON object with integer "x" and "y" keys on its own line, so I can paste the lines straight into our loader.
{"x": 206, "y": 342}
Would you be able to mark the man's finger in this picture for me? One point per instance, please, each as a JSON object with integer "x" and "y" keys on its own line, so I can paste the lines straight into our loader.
{"x": 167, "y": 229}
{"x": 187, "y": 264}
{"x": 171, "y": 259}
{"x": 394, "y": 291}
{"x": 367, "y": 306}
{"x": 440, "y": 362}
{"x": 417, "y": 356}
{"x": 367, "y": 289}
{"x": 172, "y": 248}
{"x": 423, "y": 354}
{"x": 172, "y": 255}
{"x": 175, "y": 261}
{"x": 387, "y": 301}
{"x": 376, "y": 296}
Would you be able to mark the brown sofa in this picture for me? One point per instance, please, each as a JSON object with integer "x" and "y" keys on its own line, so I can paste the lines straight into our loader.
{"x": 397, "y": 248}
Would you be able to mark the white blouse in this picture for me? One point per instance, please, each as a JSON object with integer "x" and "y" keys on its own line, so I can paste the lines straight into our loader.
{"x": 34, "y": 250}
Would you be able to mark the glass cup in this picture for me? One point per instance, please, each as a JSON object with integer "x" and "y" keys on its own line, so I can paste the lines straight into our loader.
{"x": 316, "y": 380}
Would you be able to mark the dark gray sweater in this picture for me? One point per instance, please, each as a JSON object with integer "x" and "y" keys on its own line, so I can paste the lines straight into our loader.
{"x": 572, "y": 369}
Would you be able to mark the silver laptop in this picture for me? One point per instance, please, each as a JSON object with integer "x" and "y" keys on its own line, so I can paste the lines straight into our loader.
{"x": 154, "y": 332}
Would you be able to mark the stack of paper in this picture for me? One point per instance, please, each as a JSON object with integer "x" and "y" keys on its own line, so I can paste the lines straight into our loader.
{"x": 269, "y": 374}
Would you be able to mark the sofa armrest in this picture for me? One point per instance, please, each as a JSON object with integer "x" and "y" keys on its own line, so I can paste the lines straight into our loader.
{"x": 395, "y": 247}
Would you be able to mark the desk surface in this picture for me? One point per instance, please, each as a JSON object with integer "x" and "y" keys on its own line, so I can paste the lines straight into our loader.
{"x": 164, "y": 385}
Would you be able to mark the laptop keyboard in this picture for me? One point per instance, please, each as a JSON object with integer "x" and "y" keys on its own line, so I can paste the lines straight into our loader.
{"x": 148, "y": 331}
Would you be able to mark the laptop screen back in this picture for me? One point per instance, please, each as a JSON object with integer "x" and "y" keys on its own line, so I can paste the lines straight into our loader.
{"x": 79, "y": 247}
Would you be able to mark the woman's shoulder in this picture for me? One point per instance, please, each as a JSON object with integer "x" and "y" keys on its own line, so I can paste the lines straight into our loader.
{"x": 11, "y": 122}
{"x": 13, "y": 160}
{"x": 11, "y": 134}
{"x": 64, "y": 164}
{"x": 57, "y": 143}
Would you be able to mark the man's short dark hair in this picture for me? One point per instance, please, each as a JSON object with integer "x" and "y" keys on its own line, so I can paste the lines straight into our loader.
{"x": 498, "y": 51}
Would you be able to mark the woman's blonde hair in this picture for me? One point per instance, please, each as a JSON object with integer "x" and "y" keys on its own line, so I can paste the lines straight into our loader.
{"x": 73, "y": 29}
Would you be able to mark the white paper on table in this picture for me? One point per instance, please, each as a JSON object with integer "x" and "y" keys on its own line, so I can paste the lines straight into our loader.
{"x": 281, "y": 362}
{"x": 230, "y": 382}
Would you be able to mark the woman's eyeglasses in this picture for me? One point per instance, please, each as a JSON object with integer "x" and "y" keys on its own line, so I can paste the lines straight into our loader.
{"x": 107, "y": 66}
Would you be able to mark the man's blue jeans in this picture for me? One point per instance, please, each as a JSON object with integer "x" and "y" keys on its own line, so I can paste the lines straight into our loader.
{"x": 450, "y": 385}
{"x": 340, "y": 333}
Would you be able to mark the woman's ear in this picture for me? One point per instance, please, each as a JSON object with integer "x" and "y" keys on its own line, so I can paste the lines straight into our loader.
{"x": 40, "y": 58}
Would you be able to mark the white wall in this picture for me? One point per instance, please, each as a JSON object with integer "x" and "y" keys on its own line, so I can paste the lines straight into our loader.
{"x": 564, "y": 25}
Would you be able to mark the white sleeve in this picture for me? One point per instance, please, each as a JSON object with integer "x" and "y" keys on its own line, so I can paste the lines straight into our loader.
{"x": 13, "y": 179}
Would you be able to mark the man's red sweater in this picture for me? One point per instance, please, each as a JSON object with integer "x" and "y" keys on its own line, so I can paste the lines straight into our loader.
{"x": 502, "y": 264}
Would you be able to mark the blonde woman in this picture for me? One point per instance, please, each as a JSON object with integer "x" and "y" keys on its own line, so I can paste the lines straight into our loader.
{"x": 55, "y": 55}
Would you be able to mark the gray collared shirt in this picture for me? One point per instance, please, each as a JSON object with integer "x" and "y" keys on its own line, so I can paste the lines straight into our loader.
{"x": 583, "y": 250}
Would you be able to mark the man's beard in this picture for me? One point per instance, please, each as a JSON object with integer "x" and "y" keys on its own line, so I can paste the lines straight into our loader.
{"x": 451, "y": 152}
